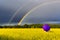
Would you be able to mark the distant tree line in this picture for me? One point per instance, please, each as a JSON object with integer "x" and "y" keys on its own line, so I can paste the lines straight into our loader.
{"x": 31, "y": 26}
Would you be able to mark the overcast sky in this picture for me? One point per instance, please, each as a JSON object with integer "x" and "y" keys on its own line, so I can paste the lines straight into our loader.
{"x": 9, "y": 7}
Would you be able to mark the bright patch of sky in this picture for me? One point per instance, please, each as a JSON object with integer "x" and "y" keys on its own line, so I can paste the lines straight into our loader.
{"x": 49, "y": 13}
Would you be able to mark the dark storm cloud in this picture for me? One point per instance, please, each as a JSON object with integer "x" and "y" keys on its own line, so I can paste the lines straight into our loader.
{"x": 5, "y": 14}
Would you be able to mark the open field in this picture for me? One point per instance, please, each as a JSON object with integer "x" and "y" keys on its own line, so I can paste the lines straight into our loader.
{"x": 29, "y": 34}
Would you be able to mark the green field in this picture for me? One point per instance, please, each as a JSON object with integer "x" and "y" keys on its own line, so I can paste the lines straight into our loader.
{"x": 29, "y": 34}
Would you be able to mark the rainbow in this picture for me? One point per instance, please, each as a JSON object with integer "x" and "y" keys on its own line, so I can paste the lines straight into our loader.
{"x": 38, "y": 6}
{"x": 17, "y": 12}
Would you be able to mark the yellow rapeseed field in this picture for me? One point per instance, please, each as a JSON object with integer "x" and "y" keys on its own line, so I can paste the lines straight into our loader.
{"x": 29, "y": 34}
